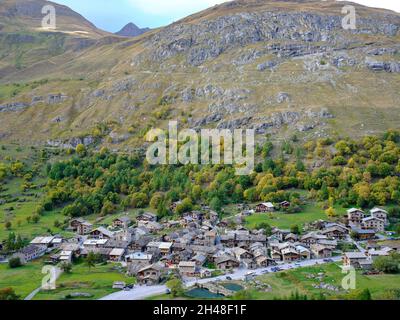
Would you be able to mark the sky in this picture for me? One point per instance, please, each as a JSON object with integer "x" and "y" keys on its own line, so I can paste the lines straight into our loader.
{"x": 112, "y": 15}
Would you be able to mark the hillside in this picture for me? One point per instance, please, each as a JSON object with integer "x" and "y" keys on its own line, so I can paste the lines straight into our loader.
{"x": 281, "y": 67}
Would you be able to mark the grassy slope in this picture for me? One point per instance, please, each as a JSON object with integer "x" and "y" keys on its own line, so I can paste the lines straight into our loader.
{"x": 97, "y": 282}
{"x": 24, "y": 279}
{"x": 12, "y": 190}
{"x": 297, "y": 280}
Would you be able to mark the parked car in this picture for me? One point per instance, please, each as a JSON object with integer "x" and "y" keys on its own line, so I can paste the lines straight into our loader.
{"x": 229, "y": 278}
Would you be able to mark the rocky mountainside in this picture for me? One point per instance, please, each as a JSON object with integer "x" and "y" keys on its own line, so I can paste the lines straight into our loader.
{"x": 280, "y": 67}
{"x": 131, "y": 30}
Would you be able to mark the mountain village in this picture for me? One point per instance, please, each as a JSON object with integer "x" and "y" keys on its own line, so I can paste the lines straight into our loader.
{"x": 200, "y": 245}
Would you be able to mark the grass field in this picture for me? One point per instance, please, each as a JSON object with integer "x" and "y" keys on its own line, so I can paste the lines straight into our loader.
{"x": 310, "y": 213}
{"x": 24, "y": 279}
{"x": 97, "y": 282}
{"x": 283, "y": 284}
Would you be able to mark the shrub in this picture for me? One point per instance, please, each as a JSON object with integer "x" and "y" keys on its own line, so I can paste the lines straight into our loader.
{"x": 14, "y": 263}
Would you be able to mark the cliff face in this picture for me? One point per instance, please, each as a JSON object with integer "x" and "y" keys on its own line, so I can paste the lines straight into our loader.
{"x": 280, "y": 67}
{"x": 209, "y": 39}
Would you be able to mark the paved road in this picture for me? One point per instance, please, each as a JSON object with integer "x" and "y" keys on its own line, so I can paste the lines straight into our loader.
{"x": 138, "y": 293}
{"x": 142, "y": 292}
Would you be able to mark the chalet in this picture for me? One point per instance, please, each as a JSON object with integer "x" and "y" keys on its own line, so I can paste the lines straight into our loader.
{"x": 357, "y": 260}
{"x": 331, "y": 244}
{"x": 290, "y": 254}
{"x": 94, "y": 243}
{"x": 384, "y": 252}
{"x": 364, "y": 234}
{"x": 226, "y": 263}
{"x": 139, "y": 257}
{"x": 205, "y": 273}
{"x": 373, "y": 223}
{"x": 280, "y": 234}
{"x": 199, "y": 259}
{"x": 75, "y": 248}
{"x": 146, "y": 217}
{"x": 177, "y": 247}
{"x": 305, "y": 253}
{"x": 31, "y": 252}
{"x": 187, "y": 268}
{"x": 265, "y": 207}
{"x": 152, "y": 226}
{"x": 140, "y": 244}
{"x": 291, "y": 237}
{"x": 241, "y": 254}
{"x": 380, "y": 214}
{"x": 48, "y": 242}
{"x": 249, "y": 264}
{"x": 66, "y": 256}
{"x": 320, "y": 252}
{"x": 263, "y": 261}
{"x": 151, "y": 274}
{"x": 335, "y": 232}
{"x": 84, "y": 228}
{"x": 116, "y": 254}
{"x": 222, "y": 224}
{"x": 137, "y": 261}
{"x": 101, "y": 233}
{"x": 312, "y": 238}
{"x": 355, "y": 216}
{"x": 228, "y": 240}
{"x": 74, "y": 223}
{"x": 164, "y": 248}
{"x": 284, "y": 204}
{"x": 80, "y": 226}
{"x": 122, "y": 222}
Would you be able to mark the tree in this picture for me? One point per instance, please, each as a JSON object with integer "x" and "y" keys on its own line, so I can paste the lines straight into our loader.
{"x": 267, "y": 228}
{"x": 14, "y": 263}
{"x": 80, "y": 149}
{"x": 8, "y": 294}
{"x": 295, "y": 229}
{"x": 156, "y": 199}
{"x": 359, "y": 295}
{"x": 91, "y": 260}
{"x": 8, "y": 225}
{"x": 185, "y": 206}
{"x": 66, "y": 267}
{"x": 388, "y": 264}
{"x": 216, "y": 204}
{"x": 330, "y": 212}
{"x": 176, "y": 287}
